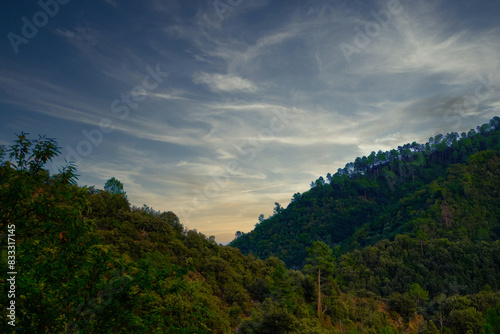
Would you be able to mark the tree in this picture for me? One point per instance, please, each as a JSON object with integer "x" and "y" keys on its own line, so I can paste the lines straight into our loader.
{"x": 422, "y": 236}
{"x": 320, "y": 261}
{"x": 296, "y": 197}
{"x": 272, "y": 319}
{"x": 402, "y": 304}
{"x": 370, "y": 160}
{"x": 60, "y": 259}
{"x": 381, "y": 156}
{"x": 492, "y": 321}
{"x": 277, "y": 208}
{"x": 394, "y": 154}
{"x": 358, "y": 165}
{"x": 31, "y": 158}
{"x": 417, "y": 293}
{"x": 23, "y": 173}
{"x": 465, "y": 321}
{"x": 104, "y": 204}
{"x": 431, "y": 328}
{"x": 114, "y": 186}
{"x": 320, "y": 181}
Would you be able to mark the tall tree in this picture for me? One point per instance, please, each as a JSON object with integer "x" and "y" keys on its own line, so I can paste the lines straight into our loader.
{"x": 320, "y": 262}
{"x": 114, "y": 186}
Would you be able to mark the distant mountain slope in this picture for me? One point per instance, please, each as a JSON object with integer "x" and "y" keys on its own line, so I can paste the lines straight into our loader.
{"x": 443, "y": 188}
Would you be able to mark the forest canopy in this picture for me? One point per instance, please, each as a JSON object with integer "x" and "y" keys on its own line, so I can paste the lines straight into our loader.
{"x": 398, "y": 241}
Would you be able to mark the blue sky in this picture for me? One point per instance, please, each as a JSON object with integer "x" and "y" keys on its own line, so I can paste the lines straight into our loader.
{"x": 217, "y": 109}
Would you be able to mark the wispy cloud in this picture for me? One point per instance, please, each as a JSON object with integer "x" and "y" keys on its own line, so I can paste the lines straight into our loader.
{"x": 225, "y": 83}
{"x": 80, "y": 37}
{"x": 165, "y": 96}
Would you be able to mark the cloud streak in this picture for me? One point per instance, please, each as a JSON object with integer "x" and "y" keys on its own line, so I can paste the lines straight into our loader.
{"x": 225, "y": 83}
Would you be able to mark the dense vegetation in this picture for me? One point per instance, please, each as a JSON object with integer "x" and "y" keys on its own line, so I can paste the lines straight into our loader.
{"x": 393, "y": 243}
{"x": 446, "y": 188}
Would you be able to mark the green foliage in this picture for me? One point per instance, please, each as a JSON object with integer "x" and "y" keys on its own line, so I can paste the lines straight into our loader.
{"x": 403, "y": 305}
{"x": 320, "y": 259}
{"x": 114, "y": 186}
{"x": 320, "y": 265}
{"x": 56, "y": 255}
{"x": 399, "y": 241}
{"x": 418, "y": 294}
{"x": 465, "y": 321}
{"x": 492, "y": 324}
{"x": 447, "y": 187}
{"x": 431, "y": 328}
{"x": 270, "y": 320}
{"x": 104, "y": 204}
{"x": 32, "y": 154}
{"x": 87, "y": 262}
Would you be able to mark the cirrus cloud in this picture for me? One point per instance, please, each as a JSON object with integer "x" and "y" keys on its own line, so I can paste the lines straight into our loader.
{"x": 225, "y": 83}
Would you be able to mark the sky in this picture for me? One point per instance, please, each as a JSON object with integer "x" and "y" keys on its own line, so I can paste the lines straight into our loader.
{"x": 216, "y": 110}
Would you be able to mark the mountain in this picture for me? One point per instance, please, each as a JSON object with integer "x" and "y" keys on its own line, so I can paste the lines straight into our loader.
{"x": 438, "y": 189}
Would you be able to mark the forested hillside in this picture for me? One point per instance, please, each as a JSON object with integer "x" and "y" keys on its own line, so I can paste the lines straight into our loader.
{"x": 405, "y": 241}
{"x": 88, "y": 262}
{"x": 446, "y": 188}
